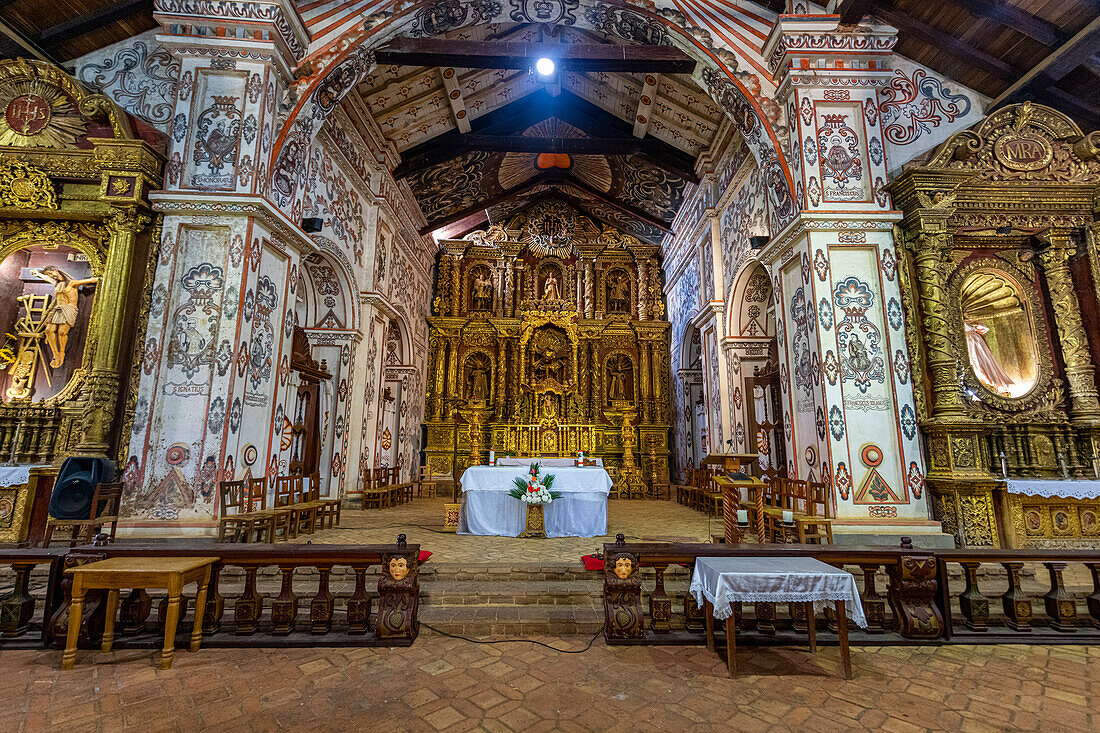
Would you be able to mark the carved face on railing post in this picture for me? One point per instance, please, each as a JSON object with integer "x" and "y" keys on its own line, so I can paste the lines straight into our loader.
{"x": 624, "y": 566}
{"x": 398, "y": 567}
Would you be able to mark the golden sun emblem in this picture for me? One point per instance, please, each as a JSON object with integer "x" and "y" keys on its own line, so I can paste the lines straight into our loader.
{"x": 38, "y": 113}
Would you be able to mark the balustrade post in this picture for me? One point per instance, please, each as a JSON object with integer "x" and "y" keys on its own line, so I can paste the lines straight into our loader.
{"x": 284, "y": 608}
{"x": 912, "y": 596}
{"x": 398, "y": 595}
{"x": 17, "y": 607}
{"x": 1059, "y": 604}
{"x": 215, "y": 604}
{"x": 250, "y": 605}
{"x": 322, "y": 605}
{"x": 359, "y": 604}
{"x": 134, "y": 611}
{"x": 622, "y": 595}
{"x": 1016, "y": 604}
{"x": 974, "y": 606}
{"x": 660, "y": 605}
{"x": 1093, "y": 599}
{"x": 765, "y": 617}
{"x": 874, "y": 605}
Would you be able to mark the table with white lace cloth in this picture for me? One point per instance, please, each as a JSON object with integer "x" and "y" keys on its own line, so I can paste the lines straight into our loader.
{"x": 726, "y": 580}
{"x": 488, "y": 509}
{"x": 1055, "y": 488}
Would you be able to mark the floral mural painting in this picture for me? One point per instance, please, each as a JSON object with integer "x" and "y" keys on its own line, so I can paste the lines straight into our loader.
{"x": 915, "y": 104}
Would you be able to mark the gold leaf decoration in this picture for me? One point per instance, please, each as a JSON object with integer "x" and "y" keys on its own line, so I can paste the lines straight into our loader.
{"x": 25, "y": 187}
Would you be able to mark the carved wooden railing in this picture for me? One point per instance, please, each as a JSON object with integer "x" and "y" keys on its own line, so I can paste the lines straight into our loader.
{"x": 243, "y": 616}
{"x": 921, "y": 600}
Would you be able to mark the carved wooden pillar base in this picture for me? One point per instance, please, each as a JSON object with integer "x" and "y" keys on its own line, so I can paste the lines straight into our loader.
{"x": 536, "y": 522}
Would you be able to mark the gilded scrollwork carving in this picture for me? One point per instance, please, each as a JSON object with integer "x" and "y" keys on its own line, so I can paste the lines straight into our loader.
{"x": 25, "y": 187}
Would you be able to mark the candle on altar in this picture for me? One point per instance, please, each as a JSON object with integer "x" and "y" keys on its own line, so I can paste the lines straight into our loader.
{"x": 742, "y": 516}
{"x": 788, "y": 516}
{"x": 492, "y": 458}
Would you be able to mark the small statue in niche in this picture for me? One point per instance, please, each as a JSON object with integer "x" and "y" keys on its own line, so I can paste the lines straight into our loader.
{"x": 549, "y": 409}
{"x": 482, "y": 291}
{"x": 477, "y": 380}
{"x": 62, "y": 314}
{"x": 620, "y": 372}
{"x": 618, "y": 294}
{"x": 550, "y": 289}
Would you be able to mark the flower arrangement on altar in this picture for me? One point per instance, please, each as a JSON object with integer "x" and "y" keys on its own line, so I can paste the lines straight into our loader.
{"x": 535, "y": 488}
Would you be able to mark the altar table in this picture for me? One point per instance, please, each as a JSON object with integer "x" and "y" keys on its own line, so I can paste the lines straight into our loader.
{"x": 116, "y": 573}
{"x": 580, "y": 512}
{"x": 719, "y": 582}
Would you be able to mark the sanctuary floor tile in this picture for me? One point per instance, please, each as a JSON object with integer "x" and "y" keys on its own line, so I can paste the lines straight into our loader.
{"x": 422, "y": 522}
{"x": 443, "y": 684}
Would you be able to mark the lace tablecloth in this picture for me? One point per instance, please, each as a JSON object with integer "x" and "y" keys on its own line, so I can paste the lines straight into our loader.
{"x": 17, "y": 475}
{"x": 1051, "y": 488}
{"x": 725, "y": 580}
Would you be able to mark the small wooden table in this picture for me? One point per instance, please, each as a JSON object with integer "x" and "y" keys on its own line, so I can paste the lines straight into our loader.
{"x": 116, "y": 573}
{"x": 719, "y": 582}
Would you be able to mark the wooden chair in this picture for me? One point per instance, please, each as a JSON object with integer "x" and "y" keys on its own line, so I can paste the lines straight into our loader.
{"x": 288, "y": 492}
{"x": 308, "y": 510}
{"x": 270, "y": 522}
{"x": 105, "y": 508}
{"x": 815, "y": 526}
{"x": 330, "y": 506}
{"x": 425, "y": 484}
{"x": 235, "y": 520}
{"x": 372, "y": 496}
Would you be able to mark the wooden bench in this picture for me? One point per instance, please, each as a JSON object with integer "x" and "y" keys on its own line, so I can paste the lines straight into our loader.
{"x": 808, "y": 503}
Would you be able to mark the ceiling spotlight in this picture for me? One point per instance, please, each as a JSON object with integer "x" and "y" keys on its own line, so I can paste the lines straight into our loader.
{"x": 544, "y": 66}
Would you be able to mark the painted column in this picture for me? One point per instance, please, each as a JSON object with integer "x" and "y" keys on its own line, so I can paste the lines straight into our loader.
{"x": 214, "y": 386}
{"x": 845, "y": 378}
{"x": 1054, "y": 257}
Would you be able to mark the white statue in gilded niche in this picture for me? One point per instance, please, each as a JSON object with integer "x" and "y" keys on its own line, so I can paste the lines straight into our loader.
{"x": 550, "y": 287}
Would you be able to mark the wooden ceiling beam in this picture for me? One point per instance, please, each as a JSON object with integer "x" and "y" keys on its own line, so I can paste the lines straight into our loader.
{"x": 494, "y": 200}
{"x": 518, "y": 55}
{"x": 20, "y": 44}
{"x": 1071, "y": 54}
{"x": 93, "y": 20}
{"x": 498, "y": 132}
{"x": 449, "y": 76}
{"x": 947, "y": 42}
{"x": 645, "y": 104}
{"x": 1011, "y": 16}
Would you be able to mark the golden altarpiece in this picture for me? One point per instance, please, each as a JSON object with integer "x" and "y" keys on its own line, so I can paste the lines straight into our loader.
{"x": 1001, "y": 272}
{"x": 75, "y": 260}
{"x": 547, "y": 338}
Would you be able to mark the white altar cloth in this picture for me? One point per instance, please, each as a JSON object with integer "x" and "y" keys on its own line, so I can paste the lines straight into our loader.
{"x": 581, "y": 511}
{"x": 1055, "y": 488}
{"x": 725, "y": 580}
{"x": 18, "y": 475}
{"x": 555, "y": 462}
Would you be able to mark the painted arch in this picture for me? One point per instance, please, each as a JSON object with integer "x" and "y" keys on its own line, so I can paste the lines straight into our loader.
{"x": 349, "y": 59}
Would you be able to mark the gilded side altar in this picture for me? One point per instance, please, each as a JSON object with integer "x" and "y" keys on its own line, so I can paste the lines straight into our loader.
{"x": 1001, "y": 270}
{"x": 547, "y": 338}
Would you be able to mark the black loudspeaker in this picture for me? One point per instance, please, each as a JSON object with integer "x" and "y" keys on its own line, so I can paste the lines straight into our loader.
{"x": 76, "y": 482}
{"x": 313, "y": 225}
{"x": 759, "y": 241}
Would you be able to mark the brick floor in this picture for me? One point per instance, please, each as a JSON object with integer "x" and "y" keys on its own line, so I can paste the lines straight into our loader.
{"x": 442, "y": 684}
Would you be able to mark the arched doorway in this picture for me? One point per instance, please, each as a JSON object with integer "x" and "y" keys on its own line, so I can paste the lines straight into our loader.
{"x": 755, "y": 400}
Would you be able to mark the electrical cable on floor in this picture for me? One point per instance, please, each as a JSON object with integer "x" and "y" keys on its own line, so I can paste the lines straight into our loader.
{"x": 517, "y": 641}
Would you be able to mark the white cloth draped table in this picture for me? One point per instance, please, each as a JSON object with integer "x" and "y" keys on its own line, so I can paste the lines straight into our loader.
{"x": 1055, "y": 488}
{"x": 488, "y": 509}
{"x": 18, "y": 475}
{"x": 545, "y": 462}
{"x": 726, "y": 580}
